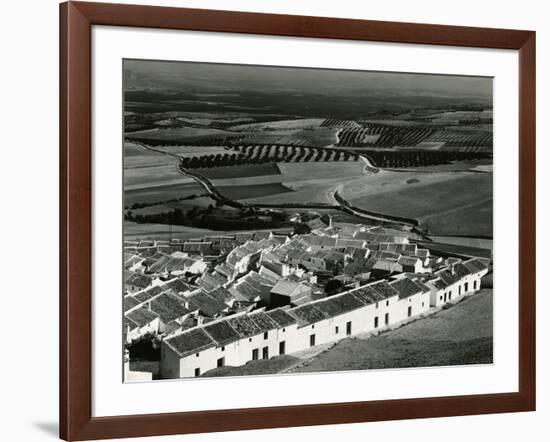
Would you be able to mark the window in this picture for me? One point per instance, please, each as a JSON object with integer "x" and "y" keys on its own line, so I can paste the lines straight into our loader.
{"x": 311, "y": 340}
{"x": 255, "y": 354}
{"x": 282, "y": 346}
{"x": 409, "y": 311}
{"x": 336, "y": 330}
{"x": 465, "y": 286}
{"x": 223, "y": 348}
{"x": 475, "y": 285}
{"x": 249, "y": 339}
{"x": 387, "y": 318}
{"x": 450, "y": 293}
{"x": 197, "y": 355}
{"x": 441, "y": 297}
{"x": 265, "y": 335}
{"x": 348, "y": 328}
{"x": 221, "y": 362}
{"x": 459, "y": 289}
{"x": 422, "y": 304}
{"x": 197, "y": 372}
{"x": 284, "y": 330}
{"x": 376, "y": 305}
{"x": 387, "y": 303}
{"x": 376, "y": 322}
{"x": 312, "y": 325}
{"x": 265, "y": 353}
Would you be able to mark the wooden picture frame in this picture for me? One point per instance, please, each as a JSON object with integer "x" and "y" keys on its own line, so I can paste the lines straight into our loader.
{"x": 76, "y": 421}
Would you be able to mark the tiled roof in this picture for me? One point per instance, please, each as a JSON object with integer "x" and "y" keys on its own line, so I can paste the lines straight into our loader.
{"x": 138, "y": 280}
{"x": 384, "y": 289}
{"x": 263, "y": 321}
{"x": 359, "y": 265}
{"x": 408, "y": 261}
{"x": 168, "y": 307}
{"x": 406, "y": 287}
{"x": 307, "y": 314}
{"x": 282, "y": 318}
{"x": 285, "y": 287}
{"x": 141, "y": 316}
{"x": 245, "y": 326}
{"x": 476, "y": 265}
{"x": 222, "y": 332}
{"x": 339, "y": 304}
{"x": 367, "y": 295}
{"x": 148, "y": 294}
{"x": 178, "y": 285}
{"x": 130, "y": 302}
{"x": 206, "y": 304}
{"x": 221, "y": 294}
{"x": 190, "y": 341}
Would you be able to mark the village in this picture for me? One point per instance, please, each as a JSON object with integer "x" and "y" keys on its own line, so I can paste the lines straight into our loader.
{"x": 227, "y": 300}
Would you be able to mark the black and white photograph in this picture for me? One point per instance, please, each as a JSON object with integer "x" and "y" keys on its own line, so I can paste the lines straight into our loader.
{"x": 287, "y": 220}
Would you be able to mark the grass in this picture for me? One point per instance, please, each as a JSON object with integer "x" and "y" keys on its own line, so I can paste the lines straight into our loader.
{"x": 241, "y": 171}
{"x": 444, "y": 249}
{"x": 459, "y": 335}
{"x": 161, "y": 193}
{"x": 475, "y": 220}
{"x": 253, "y": 191}
{"x": 447, "y": 203}
{"x": 263, "y": 366}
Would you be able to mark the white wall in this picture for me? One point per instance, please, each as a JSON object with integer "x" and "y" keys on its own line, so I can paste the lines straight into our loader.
{"x": 29, "y": 78}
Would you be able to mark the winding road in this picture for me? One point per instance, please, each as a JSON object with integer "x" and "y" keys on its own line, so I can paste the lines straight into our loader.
{"x": 338, "y": 202}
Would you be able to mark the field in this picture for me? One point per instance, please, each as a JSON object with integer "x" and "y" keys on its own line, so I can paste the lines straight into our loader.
{"x": 443, "y": 202}
{"x": 254, "y": 191}
{"x": 471, "y": 220}
{"x": 240, "y": 171}
{"x": 136, "y": 156}
{"x": 149, "y": 195}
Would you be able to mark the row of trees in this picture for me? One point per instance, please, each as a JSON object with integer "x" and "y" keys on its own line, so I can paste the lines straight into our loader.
{"x": 258, "y": 154}
{"x": 400, "y": 159}
{"x": 386, "y": 136}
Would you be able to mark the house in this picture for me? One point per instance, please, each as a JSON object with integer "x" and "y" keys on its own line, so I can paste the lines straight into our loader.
{"x": 383, "y": 268}
{"x": 239, "y": 338}
{"x": 360, "y": 268}
{"x": 316, "y": 243}
{"x": 137, "y": 282}
{"x": 410, "y": 264}
{"x": 413, "y": 295}
{"x": 170, "y": 308}
{"x": 139, "y": 322}
{"x": 206, "y": 304}
{"x": 289, "y": 293}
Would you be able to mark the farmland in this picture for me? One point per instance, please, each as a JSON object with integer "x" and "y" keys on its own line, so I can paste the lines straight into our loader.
{"x": 188, "y": 150}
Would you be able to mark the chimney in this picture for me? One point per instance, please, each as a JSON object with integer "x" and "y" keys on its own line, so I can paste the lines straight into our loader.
{"x": 200, "y": 320}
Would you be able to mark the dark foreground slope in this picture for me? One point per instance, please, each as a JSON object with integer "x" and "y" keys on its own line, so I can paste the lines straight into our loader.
{"x": 459, "y": 335}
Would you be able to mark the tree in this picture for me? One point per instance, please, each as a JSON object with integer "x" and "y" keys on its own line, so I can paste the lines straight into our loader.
{"x": 301, "y": 229}
{"x": 334, "y": 286}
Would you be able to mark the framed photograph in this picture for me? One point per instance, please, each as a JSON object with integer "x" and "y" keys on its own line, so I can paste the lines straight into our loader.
{"x": 272, "y": 220}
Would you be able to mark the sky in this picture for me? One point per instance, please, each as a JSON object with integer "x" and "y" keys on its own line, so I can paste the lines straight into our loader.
{"x": 237, "y": 78}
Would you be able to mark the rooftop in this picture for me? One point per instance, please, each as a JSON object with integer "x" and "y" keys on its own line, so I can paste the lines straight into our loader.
{"x": 190, "y": 341}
